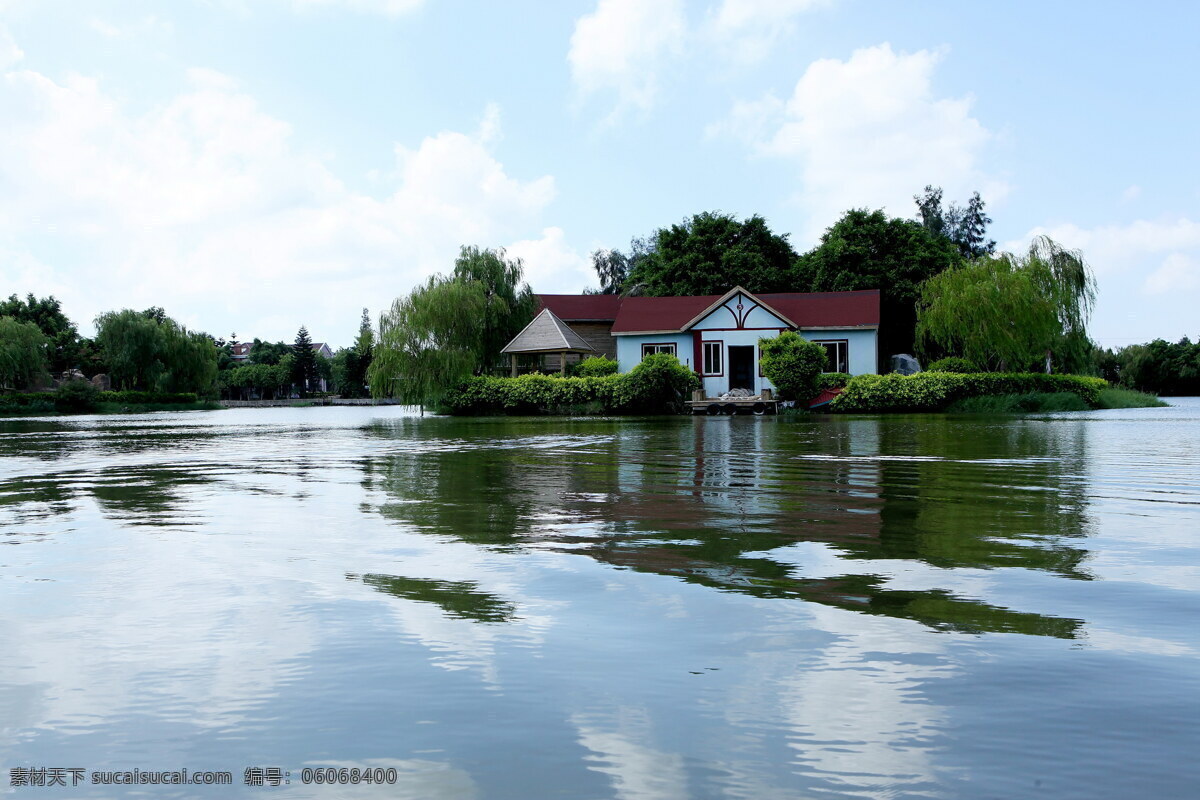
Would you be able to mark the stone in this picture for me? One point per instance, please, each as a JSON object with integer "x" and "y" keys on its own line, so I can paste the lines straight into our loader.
{"x": 905, "y": 364}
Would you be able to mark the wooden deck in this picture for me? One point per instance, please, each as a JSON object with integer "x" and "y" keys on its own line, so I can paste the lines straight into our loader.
{"x": 715, "y": 406}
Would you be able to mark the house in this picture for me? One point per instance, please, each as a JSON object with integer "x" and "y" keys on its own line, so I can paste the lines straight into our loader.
{"x": 717, "y": 335}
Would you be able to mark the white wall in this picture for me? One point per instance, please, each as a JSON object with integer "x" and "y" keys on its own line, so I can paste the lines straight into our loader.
{"x": 629, "y": 348}
{"x": 860, "y": 347}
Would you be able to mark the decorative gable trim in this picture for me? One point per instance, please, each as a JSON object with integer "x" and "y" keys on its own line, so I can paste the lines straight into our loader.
{"x": 741, "y": 313}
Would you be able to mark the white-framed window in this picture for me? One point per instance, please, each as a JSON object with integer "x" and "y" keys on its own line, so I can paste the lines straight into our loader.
{"x": 837, "y": 353}
{"x": 651, "y": 349}
{"x": 713, "y": 365}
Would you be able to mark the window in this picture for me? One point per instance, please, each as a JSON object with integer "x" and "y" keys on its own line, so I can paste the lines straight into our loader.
{"x": 712, "y": 359}
{"x": 651, "y": 349}
{"x": 837, "y": 355}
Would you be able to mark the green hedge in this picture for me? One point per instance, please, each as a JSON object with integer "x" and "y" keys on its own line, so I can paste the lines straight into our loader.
{"x": 136, "y": 397}
{"x": 832, "y": 380}
{"x": 592, "y": 367}
{"x": 933, "y": 391}
{"x": 80, "y": 397}
{"x": 660, "y": 384}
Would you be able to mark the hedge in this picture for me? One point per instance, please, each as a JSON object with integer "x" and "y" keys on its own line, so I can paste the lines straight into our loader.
{"x": 933, "y": 391}
{"x": 659, "y": 384}
{"x": 65, "y": 399}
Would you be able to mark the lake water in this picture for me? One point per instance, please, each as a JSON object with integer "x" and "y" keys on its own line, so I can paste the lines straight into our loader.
{"x": 867, "y": 607}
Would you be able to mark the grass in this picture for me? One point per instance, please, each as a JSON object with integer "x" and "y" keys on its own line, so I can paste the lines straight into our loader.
{"x": 1031, "y": 402}
{"x": 1040, "y": 402}
{"x": 1128, "y": 398}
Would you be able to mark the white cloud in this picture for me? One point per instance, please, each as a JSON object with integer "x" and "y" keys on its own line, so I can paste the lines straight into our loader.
{"x": 748, "y": 29}
{"x": 9, "y": 52}
{"x": 1178, "y": 273}
{"x": 1129, "y": 248}
{"x": 868, "y": 131}
{"x": 206, "y": 206}
{"x": 621, "y": 47}
{"x": 551, "y": 265}
{"x": 1131, "y": 194}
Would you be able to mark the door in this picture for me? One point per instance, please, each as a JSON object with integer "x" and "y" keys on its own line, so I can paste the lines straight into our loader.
{"x": 741, "y": 367}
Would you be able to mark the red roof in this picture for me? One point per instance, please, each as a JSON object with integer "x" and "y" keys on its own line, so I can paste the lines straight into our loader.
{"x": 660, "y": 313}
{"x": 635, "y": 314}
{"x": 580, "y": 307}
{"x": 826, "y": 309}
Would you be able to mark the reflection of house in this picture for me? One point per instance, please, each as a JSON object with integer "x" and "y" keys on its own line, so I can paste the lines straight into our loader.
{"x": 717, "y": 335}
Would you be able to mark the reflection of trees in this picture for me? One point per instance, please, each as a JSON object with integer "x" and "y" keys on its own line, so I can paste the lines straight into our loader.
{"x": 707, "y": 500}
{"x": 140, "y": 495}
{"x": 462, "y": 599}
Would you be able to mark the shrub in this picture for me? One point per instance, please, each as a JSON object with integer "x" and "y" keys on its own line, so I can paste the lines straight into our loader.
{"x": 659, "y": 384}
{"x": 934, "y": 391}
{"x": 832, "y": 380}
{"x": 952, "y": 364}
{"x": 792, "y": 364}
{"x": 136, "y": 397}
{"x": 76, "y": 397}
{"x": 593, "y": 367}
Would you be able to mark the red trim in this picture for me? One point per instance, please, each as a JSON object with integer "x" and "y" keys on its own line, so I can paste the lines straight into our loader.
{"x": 696, "y": 347}
{"x": 703, "y": 362}
{"x": 714, "y": 330}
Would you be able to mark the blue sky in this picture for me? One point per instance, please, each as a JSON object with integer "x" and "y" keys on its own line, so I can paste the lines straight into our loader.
{"x": 252, "y": 165}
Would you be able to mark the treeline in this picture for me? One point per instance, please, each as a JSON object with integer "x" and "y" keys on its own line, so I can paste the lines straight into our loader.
{"x": 148, "y": 352}
{"x": 1159, "y": 367}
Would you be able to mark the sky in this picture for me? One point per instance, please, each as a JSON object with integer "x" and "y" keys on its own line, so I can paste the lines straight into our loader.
{"x": 255, "y": 165}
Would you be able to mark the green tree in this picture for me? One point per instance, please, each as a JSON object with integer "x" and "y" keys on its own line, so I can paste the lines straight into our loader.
{"x": 792, "y": 364}
{"x": 711, "y": 253}
{"x": 268, "y": 353}
{"x": 966, "y": 226}
{"x": 868, "y": 250}
{"x": 508, "y": 302}
{"x": 24, "y": 354}
{"x": 350, "y": 364}
{"x": 612, "y": 270}
{"x": 46, "y": 313}
{"x": 152, "y": 352}
{"x": 304, "y": 368}
{"x": 428, "y": 341}
{"x": 1009, "y": 312}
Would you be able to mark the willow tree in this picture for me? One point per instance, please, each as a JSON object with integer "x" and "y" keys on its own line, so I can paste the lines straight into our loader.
{"x": 24, "y": 354}
{"x": 508, "y": 303}
{"x": 428, "y": 341}
{"x": 1010, "y": 311}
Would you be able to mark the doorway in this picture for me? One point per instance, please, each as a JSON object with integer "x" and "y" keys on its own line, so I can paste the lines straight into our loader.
{"x": 741, "y": 367}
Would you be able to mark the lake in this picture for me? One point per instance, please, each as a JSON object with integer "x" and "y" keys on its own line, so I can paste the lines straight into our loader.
{"x": 869, "y": 607}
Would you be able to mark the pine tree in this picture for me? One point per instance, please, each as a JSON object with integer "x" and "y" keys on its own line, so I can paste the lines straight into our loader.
{"x": 304, "y": 368}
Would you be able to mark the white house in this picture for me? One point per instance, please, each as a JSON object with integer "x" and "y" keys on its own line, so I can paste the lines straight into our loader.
{"x": 717, "y": 335}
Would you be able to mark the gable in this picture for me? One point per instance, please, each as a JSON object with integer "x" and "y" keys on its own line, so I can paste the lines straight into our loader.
{"x": 742, "y": 311}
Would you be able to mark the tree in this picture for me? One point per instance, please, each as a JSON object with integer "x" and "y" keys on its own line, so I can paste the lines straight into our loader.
{"x": 428, "y": 341}
{"x": 350, "y": 364}
{"x": 711, "y": 253}
{"x": 612, "y": 269}
{"x": 965, "y": 226}
{"x": 868, "y": 250}
{"x": 268, "y": 353}
{"x": 792, "y": 364}
{"x": 508, "y": 302}
{"x": 304, "y": 368}
{"x": 24, "y": 354}
{"x": 152, "y": 352}
{"x": 1009, "y": 312}
{"x": 46, "y": 313}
